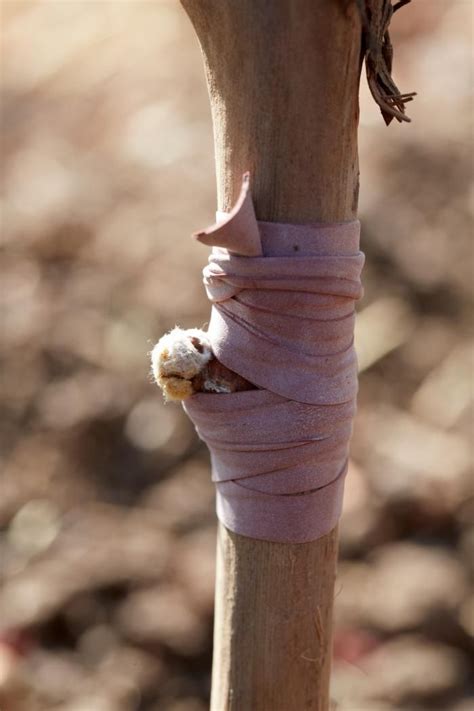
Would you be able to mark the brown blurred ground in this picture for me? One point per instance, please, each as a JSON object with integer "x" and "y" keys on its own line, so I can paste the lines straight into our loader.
{"x": 106, "y": 508}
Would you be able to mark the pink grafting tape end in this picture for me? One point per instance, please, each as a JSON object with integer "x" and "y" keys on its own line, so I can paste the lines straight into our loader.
{"x": 238, "y": 231}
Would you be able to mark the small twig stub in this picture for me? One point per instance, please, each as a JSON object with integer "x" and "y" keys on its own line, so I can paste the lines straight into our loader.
{"x": 377, "y": 50}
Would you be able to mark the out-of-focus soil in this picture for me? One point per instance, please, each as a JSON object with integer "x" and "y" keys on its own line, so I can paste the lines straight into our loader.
{"x": 107, "y": 529}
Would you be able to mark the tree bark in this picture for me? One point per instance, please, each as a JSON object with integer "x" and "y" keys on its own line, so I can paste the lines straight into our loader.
{"x": 283, "y": 79}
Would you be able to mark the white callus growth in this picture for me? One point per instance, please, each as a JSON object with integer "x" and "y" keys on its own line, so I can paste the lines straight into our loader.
{"x": 178, "y": 357}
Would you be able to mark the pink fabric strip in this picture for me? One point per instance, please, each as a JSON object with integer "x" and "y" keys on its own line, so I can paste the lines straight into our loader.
{"x": 283, "y": 318}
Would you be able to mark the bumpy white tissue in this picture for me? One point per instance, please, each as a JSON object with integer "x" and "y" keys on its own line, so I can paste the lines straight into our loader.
{"x": 178, "y": 357}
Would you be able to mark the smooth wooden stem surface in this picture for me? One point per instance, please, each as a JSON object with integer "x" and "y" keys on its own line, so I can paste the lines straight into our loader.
{"x": 283, "y": 80}
{"x": 273, "y": 624}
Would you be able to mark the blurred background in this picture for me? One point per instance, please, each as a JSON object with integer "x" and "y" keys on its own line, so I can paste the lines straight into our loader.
{"x": 107, "y": 528}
